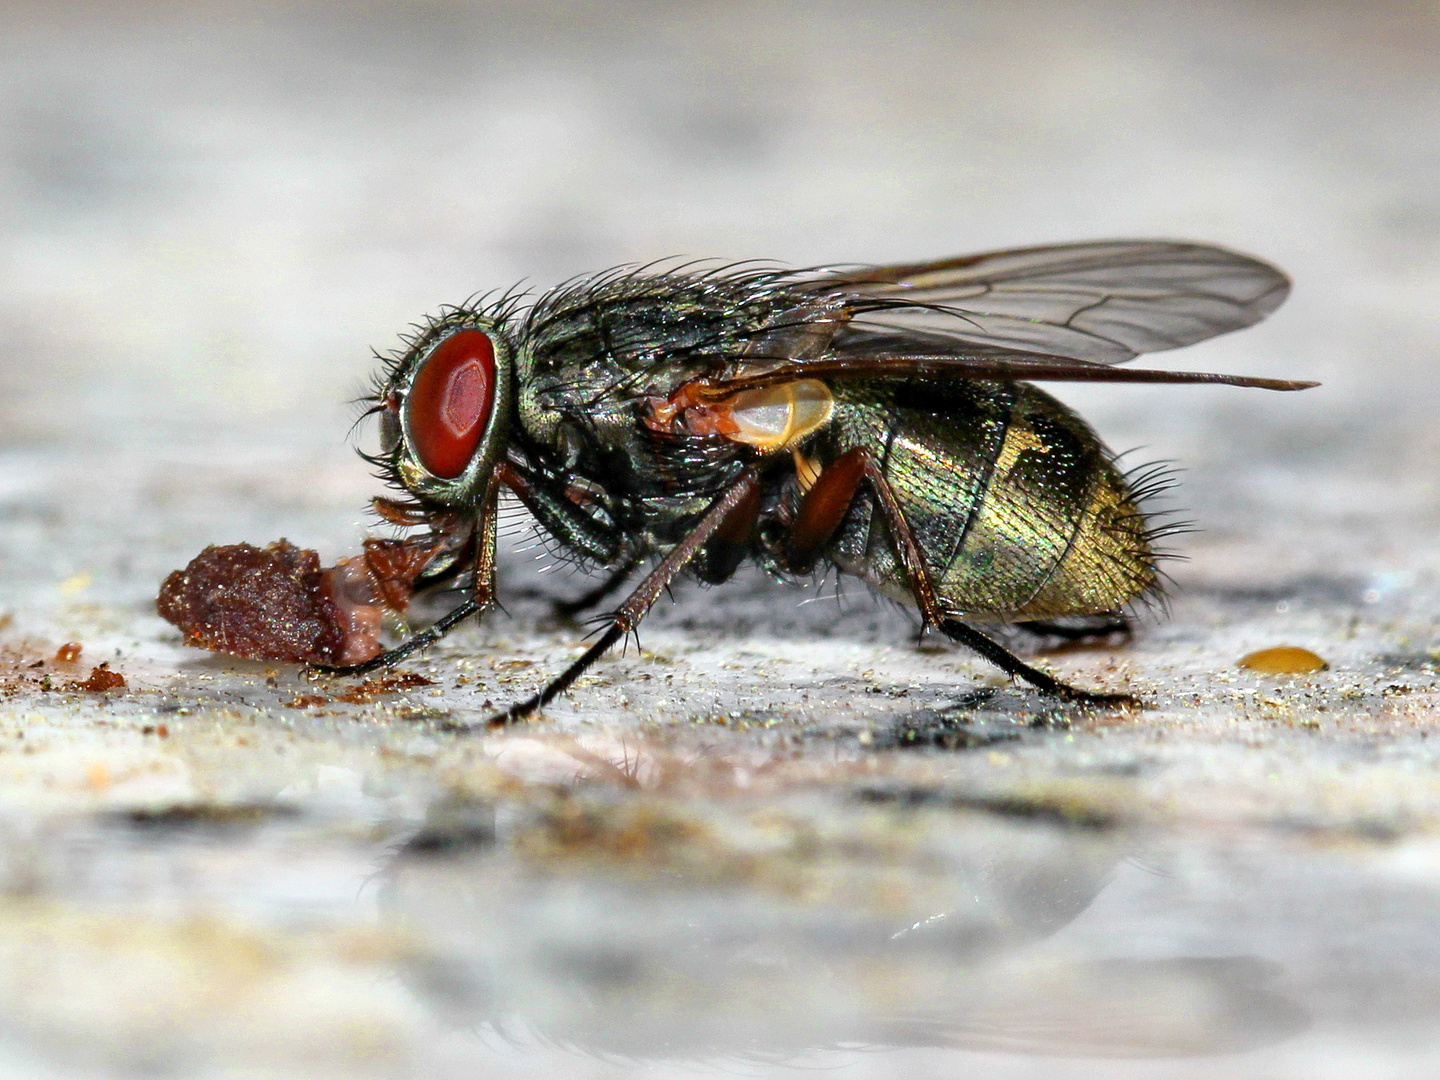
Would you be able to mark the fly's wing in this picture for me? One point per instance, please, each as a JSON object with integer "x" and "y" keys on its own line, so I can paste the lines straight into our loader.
{"x": 1005, "y": 365}
{"x": 1064, "y": 313}
{"x": 1106, "y": 301}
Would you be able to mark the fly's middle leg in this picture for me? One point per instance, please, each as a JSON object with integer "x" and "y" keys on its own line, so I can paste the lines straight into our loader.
{"x": 722, "y": 513}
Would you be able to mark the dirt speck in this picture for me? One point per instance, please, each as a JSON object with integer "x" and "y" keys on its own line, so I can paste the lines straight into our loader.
{"x": 101, "y": 679}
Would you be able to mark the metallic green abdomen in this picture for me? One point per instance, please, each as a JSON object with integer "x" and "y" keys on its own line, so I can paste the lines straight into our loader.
{"x": 1013, "y": 500}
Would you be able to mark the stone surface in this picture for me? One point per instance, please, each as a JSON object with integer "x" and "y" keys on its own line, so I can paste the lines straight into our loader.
{"x": 780, "y": 836}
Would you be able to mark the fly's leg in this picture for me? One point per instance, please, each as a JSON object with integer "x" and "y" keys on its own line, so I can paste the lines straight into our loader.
{"x": 1103, "y": 627}
{"x": 590, "y": 597}
{"x": 562, "y": 518}
{"x": 730, "y": 542}
{"x": 820, "y": 514}
{"x": 824, "y": 507}
{"x": 629, "y": 614}
{"x": 428, "y": 636}
{"x": 481, "y": 595}
{"x": 464, "y": 559}
{"x": 1012, "y": 665}
{"x": 558, "y": 516}
{"x": 721, "y": 556}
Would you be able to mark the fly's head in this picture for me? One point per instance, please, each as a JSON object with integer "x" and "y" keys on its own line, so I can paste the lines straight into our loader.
{"x": 444, "y": 404}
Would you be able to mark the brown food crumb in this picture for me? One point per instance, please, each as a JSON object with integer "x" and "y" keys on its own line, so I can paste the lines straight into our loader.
{"x": 247, "y": 601}
{"x": 69, "y": 652}
{"x": 277, "y": 603}
{"x": 1283, "y": 660}
{"x": 370, "y": 689}
{"x": 366, "y": 692}
{"x": 102, "y": 679}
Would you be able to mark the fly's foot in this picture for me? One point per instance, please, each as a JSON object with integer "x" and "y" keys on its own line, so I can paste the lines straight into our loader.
{"x": 1090, "y": 700}
{"x": 1016, "y": 668}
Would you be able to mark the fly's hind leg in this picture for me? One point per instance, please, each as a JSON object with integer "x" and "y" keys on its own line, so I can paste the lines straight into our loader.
{"x": 820, "y": 514}
{"x": 1084, "y": 631}
{"x": 1012, "y": 665}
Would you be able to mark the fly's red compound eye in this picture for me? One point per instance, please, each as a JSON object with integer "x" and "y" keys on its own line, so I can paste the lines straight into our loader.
{"x": 450, "y": 401}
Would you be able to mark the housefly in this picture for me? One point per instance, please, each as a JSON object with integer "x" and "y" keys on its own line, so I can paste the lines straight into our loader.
{"x": 880, "y": 420}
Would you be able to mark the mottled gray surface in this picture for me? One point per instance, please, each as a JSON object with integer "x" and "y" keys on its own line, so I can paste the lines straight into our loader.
{"x": 725, "y": 854}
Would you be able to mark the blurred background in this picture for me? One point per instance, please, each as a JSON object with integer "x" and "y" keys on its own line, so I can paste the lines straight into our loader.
{"x": 210, "y": 213}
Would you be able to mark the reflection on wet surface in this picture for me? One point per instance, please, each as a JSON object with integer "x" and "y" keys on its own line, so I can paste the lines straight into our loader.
{"x": 943, "y": 948}
{"x": 604, "y": 923}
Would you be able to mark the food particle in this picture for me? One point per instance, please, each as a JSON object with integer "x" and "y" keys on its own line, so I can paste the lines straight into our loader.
{"x": 278, "y": 603}
{"x": 102, "y": 679}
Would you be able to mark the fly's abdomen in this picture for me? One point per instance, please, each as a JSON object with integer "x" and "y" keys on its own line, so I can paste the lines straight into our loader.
{"x": 1013, "y": 501}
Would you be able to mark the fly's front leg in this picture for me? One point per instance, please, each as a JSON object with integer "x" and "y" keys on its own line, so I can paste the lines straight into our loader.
{"x": 481, "y": 595}
{"x": 629, "y": 614}
{"x": 824, "y": 508}
{"x": 558, "y": 516}
{"x": 565, "y": 520}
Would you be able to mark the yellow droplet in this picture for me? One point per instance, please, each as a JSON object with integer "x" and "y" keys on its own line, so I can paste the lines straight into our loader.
{"x": 1283, "y": 660}
{"x": 76, "y": 583}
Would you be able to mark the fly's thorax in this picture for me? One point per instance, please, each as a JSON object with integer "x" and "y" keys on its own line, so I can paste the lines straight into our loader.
{"x": 573, "y": 392}
{"x": 569, "y": 421}
{"x": 579, "y": 436}
{"x": 597, "y": 351}
{"x": 446, "y": 409}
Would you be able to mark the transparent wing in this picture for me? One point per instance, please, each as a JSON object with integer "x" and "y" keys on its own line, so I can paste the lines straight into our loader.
{"x": 1105, "y": 301}
{"x": 980, "y": 363}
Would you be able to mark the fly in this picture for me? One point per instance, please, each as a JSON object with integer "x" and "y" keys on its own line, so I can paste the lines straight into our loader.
{"x": 878, "y": 420}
